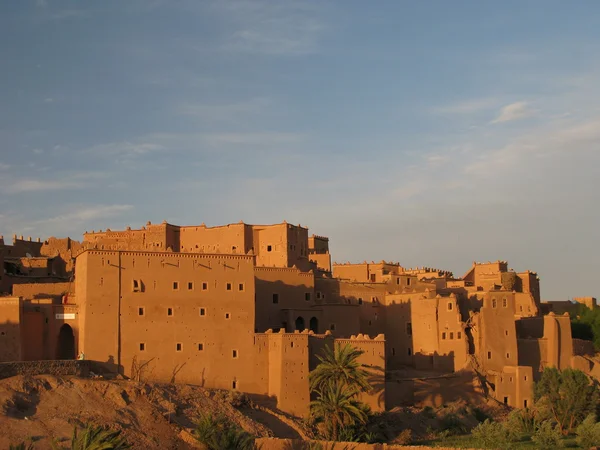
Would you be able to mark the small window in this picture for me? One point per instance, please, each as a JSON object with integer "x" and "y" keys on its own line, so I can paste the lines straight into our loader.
{"x": 493, "y": 303}
{"x": 227, "y": 315}
{"x": 241, "y": 287}
{"x": 397, "y": 280}
{"x": 525, "y": 378}
{"x": 521, "y": 308}
{"x": 504, "y": 302}
{"x": 332, "y": 327}
{"x": 443, "y": 336}
{"x": 458, "y": 335}
{"x": 142, "y": 346}
{"x": 508, "y": 356}
{"x": 506, "y": 400}
{"x": 409, "y": 328}
{"x": 204, "y": 286}
{"x": 524, "y": 403}
{"x": 318, "y": 294}
{"x": 175, "y": 285}
{"x": 409, "y": 351}
{"x": 451, "y": 335}
{"x": 169, "y": 311}
{"x": 307, "y": 296}
{"x": 505, "y": 332}
{"x": 140, "y": 311}
{"x": 179, "y": 346}
{"x": 408, "y": 281}
{"x": 373, "y": 299}
{"x": 234, "y": 384}
{"x": 190, "y": 286}
{"x": 450, "y": 306}
{"x": 136, "y": 286}
{"x": 510, "y": 379}
{"x": 200, "y": 347}
{"x": 373, "y": 278}
{"x": 275, "y": 298}
{"x": 269, "y": 248}
{"x": 228, "y": 286}
{"x": 393, "y": 352}
{"x": 360, "y": 301}
{"x": 489, "y": 355}
{"x": 202, "y": 311}
{"x": 234, "y": 353}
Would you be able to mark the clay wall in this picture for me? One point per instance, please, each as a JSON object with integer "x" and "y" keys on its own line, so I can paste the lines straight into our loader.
{"x": 192, "y": 313}
{"x": 352, "y": 272}
{"x": 557, "y": 333}
{"x": 590, "y": 302}
{"x": 583, "y": 348}
{"x": 270, "y": 245}
{"x": 399, "y": 330}
{"x": 318, "y": 244}
{"x": 323, "y": 261}
{"x": 530, "y": 283}
{"x": 288, "y": 371}
{"x": 514, "y": 386}
{"x": 285, "y": 297}
{"x": 4, "y": 286}
{"x": 228, "y": 239}
{"x": 151, "y": 237}
{"x": 31, "y": 291}
{"x": 10, "y": 329}
{"x": 525, "y": 304}
{"x": 21, "y": 247}
{"x": 497, "y": 332}
{"x": 426, "y": 333}
{"x": 340, "y": 319}
{"x": 453, "y": 340}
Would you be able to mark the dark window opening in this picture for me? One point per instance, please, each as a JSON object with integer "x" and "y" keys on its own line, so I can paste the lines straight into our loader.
{"x": 200, "y": 347}
{"x": 275, "y": 298}
{"x": 393, "y": 352}
{"x": 443, "y": 336}
{"x": 314, "y": 324}
{"x": 504, "y": 303}
{"x": 234, "y": 384}
{"x": 360, "y": 301}
{"x": 142, "y": 346}
{"x": 228, "y": 286}
{"x": 450, "y": 306}
{"x": 332, "y": 327}
{"x": 300, "y": 323}
{"x": 524, "y": 403}
{"x": 190, "y": 286}
{"x": 235, "y": 354}
{"x": 409, "y": 351}
{"x": 458, "y": 335}
{"x": 241, "y": 287}
{"x": 140, "y": 311}
{"x": 409, "y": 328}
{"x": 202, "y": 311}
{"x": 175, "y": 285}
{"x": 204, "y": 286}
{"x": 489, "y": 355}
{"x": 136, "y": 285}
{"x": 506, "y": 400}
{"x": 373, "y": 277}
{"x": 227, "y": 315}
{"x": 408, "y": 281}
{"x": 269, "y": 248}
{"x": 307, "y": 296}
{"x": 169, "y": 311}
{"x": 451, "y": 335}
{"x": 493, "y": 303}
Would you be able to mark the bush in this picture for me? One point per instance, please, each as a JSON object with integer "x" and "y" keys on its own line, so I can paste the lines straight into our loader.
{"x": 491, "y": 435}
{"x": 219, "y": 433}
{"x": 588, "y": 433}
{"x": 452, "y": 424}
{"x": 404, "y": 438}
{"x": 521, "y": 421}
{"x": 547, "y": 436}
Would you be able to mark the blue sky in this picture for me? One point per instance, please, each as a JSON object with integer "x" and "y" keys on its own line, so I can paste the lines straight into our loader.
{"x": 430, "y": 133}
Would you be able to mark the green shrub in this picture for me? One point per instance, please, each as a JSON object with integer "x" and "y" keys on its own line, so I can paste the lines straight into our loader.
{"x": 219, "y": 433}
{"x": 21, "y": 446}
{"x": 490, "y": 434}
{"x": 521, "y": 421}
{"x": 588, "y": 433}
{"x": 452, "y": 424}
{"x": 479, "y": 414}
{"x": 547, "y": 436}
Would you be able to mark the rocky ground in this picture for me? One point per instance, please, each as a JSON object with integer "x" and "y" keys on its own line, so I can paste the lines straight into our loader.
{"x": 152, "y": 416}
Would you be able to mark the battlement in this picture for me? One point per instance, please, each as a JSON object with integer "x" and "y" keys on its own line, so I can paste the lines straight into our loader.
{"x": 167, "y": 254}
{"x": 20, "y": 239}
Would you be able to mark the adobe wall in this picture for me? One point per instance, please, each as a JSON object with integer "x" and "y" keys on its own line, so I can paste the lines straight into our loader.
{"x": 192, "y": 313}
{"x": 399, "y": 330}
{"x": 151, "y": 237}
{"x": 233, "y": 238}
{"x": 583, "y": 348}
{"x": 271, "y": 245}
{"x": 280, "y": 291}
{"x": 530, "y": 284}
{"x": 426, "y": 335}
{"x": 497, "y": 332}
{"x": 557, "y": 332}
{"x": 31, "y": 291}
{"x": 323, "y": 261}
{"x": 525, "y": 304}
{"x": 341, "y": 320}
{"x": 10, "y": 329}
{"x": 514, "y": 386}
{"x": 21, "y": 247}
{"x": 288, "y": 365}
{"x": 453, "y": 340}
{"x": 533, "y": 353}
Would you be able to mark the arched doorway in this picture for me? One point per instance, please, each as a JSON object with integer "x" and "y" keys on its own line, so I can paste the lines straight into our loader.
{"x": 300, "y": 323}
{"x": 314, "y": 324}
{"x": 66, "y": 343}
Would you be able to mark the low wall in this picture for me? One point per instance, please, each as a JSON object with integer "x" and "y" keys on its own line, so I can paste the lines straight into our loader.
{"x": 56, "y": 368}
{"x": 291, "y": 444}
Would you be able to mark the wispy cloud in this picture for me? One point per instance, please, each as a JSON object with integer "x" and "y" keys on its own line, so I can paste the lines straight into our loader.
{"x": 467, "y": 106}
{"x": 125, "y": 148}
{"x": 514, "y": 111}
{"x": 273, "y": 27}
{"x": 29, "y": 185}
{"x": 4, "y": 166}
{"x": 88, "y": 213}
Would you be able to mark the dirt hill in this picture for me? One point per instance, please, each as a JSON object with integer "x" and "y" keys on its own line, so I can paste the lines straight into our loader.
{"x": 152, "y": 416}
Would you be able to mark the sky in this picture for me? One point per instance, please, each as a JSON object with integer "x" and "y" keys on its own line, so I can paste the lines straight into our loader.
{"x": 431, "y": 133}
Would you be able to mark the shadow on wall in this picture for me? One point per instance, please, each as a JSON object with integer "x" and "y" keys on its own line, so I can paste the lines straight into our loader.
{"x": 434, "y": 391}
{"x": 10, "y": 341}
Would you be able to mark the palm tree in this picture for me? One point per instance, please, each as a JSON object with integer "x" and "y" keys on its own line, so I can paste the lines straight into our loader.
{"x": 96, "y": 438}
{"x": 340, "y": 366}
{"x": 219, "y": 433}
{"x": 337, "y": 406}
